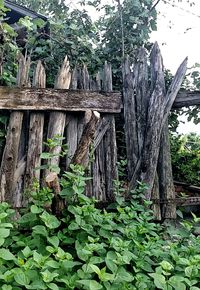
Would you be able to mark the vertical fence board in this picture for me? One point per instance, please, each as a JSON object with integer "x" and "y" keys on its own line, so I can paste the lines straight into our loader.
{"x": 11, "y": 169}
{"x": 104, "y": 167}
{"x": 166, "y": 185}
{"x": 35, "y": 134}
{"x": 57, "y": 120}
{"x": 72, "y": 137}
{"x": 110, "y": 138}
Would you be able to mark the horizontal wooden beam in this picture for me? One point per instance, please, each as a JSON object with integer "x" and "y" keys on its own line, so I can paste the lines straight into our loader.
{"x": 186, "y": 98}
{"x": 59, "y": 100}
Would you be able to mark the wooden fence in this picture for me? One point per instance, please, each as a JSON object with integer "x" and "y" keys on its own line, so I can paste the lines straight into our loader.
{"x": 147, "y": 105}
{"x": 38, "y": 114}
{"x": 70, "y": 110}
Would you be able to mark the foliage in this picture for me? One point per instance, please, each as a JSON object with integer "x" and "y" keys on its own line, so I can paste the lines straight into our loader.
{"x": 86, "y": 40}
{"x": 91, "y": 248}
{"x": 185, "y": 151}
{"x": 51, "y": 152}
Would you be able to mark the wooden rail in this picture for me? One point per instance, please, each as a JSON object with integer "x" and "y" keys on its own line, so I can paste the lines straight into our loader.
{"x": 59, "y": 100}
{"x": 186, "y": 98}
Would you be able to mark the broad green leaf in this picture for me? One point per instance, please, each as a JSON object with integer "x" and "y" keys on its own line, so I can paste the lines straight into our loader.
{"x": 35, "y": 209}
{"x": 90, "y": 284}
{"x": 191, "y": 271}
{"x": 6, "y": 225}
{"x": 40, "y": 230}
{"x": 54, "y": 241}
{"x": 52, "y": 264}
{"x": 70, "y": 264}
{"x": 2, "y": 241}
{"x": 4, "y": 233}
{"x": 183, "y": 261}
{"x": 123, "y": 276}
{"x": 50, "y": 221}
{"x": 95, "y": 269}
{"x": 6, "y": 255}
{"x": 53, "y": 286}
{"x": 96, "y": 260}
{"x": 166, "y": 266}
{"x": 3, "y": 215}
{"x": 28, "y": 218}
{"x": 159, "y": 280}
{"x": 20, "y": 277}
{"x": 27, "y": 252}
{"x": 48, "y": 276}
{"x": 6, "y": 287}
{"x": 38, "y": 258}
{"x": 177, "y": 282}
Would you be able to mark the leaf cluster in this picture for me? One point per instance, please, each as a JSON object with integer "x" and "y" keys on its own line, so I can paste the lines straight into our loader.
{"x": 88, "y": 248}
{"x": 185, "y": 150}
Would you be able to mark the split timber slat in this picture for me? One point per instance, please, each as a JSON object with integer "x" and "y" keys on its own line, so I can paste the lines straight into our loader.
{"x": 186, "y": 98}
{"x": 59, "y": 100}
{"x": 10, "y": 173}
{"x": 110, "y": 146}
{"x": 76, "y": 125}
{"x": 36, "y": 128}
{"x": 57, "y": 120}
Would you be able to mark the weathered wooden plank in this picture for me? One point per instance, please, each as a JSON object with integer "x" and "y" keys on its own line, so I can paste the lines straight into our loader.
{"x": 57, "y": 120}
{"x": 35, "y": 134}
{"x": 72, "y": 138}
{"x": 10, "y": 158}
{"x": 159, "y": 106}
{"x": 135, "y": 96}
{"x": 80, "y": 156}
{"x": 59, "y": 100}
{"x": 158, "y": 111}
{"x": 164, "y": 169}
{"x": 156, "y": 196}
{"x": 10, "y": 165}
{"x": 130, "y": 117}
{"x": 100, "y": 132}
{"x": 186, "y": 98}
{"x": 98, "y": 170}
{"x": 110, "y": 146}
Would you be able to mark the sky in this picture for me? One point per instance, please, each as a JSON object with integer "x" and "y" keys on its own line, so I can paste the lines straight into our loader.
{"x": 178, "y": 35}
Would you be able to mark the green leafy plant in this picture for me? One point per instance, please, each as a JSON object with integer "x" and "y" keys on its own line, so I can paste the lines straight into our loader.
{"x": 51, "y": 145}
{"x": 92, "y": 248}
{"x": 185, "y": 151}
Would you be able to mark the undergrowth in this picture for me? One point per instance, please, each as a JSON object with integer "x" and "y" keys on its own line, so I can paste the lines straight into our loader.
{"x": 116, "y": 248}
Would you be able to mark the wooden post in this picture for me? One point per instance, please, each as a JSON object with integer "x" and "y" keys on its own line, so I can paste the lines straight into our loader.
{"x": 135, "y": 97}
{"x": 35, "y": 134}
{"x": 10, "y": 173}
{"x": 57, "y": 120}
{"x": 110, "y": 146}
{"x": 166, "y": 185}
{"x": 159, "y": 106}
{"x": 80, "y": 156}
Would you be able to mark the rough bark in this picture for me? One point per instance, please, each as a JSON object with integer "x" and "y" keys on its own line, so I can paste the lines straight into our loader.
{"x": 35, "y": 134}
{"x": 135, "y": 96}
{"x": 158, "y": 110}
{"x": 52, "y": 181}
{"x": 186, "y": 98}
{"x": 166, "y": 185}
{"x": 72, "y": 138}
{"x": 59, "y": 100}
{"x": 110, "y": 146}
{"x": 80, "y": 156}
{"x": 156, "y": 196}
{"x": 57, "y": 120}
{"x": 9, "y": 182}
